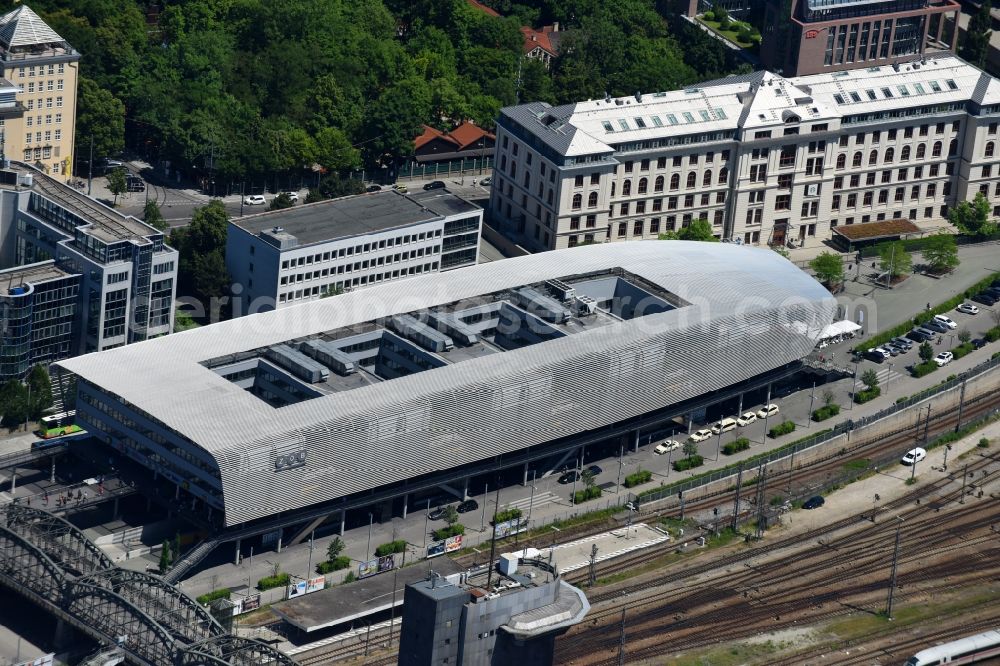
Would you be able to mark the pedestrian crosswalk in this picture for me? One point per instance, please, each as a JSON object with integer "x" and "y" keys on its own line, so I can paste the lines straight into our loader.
{"x": 540, "y": 499}
{"x": 887, "y": 375}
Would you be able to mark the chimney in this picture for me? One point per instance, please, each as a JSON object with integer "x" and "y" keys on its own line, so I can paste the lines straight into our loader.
{"x": 555, "y": 27}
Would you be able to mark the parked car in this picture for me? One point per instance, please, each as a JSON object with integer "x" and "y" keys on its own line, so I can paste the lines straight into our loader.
{"x": 745, "y": 419}
{"x": 920, "y": 335}
{"x": 936, "y": 326}
{"x": 725, "y": 425}
{"x": 968, "y": 308}
{"x": 435, "y": 185}
{"x": 913, "y": 456}
{"x": 438, "y": 513}
{"x": 895, "y": 349}
{"x": 979, "y": 343}
{"x": 467, "y": 506}
{"x": 134, "y": 184}
{"x": 701, "y": 435}
{"x": 399, "y": 187}
{"x": 666, "y": 446}
{"x": 486, "y": 182}
{"x": 903, "y": 342}
{"x": 294, "y": 196}
{"x": 569, "y": 477}
{"x": 876, "y": 354}
{"x": 595, "y": 469}
{"x": 941, "y": 319}
{"x": 373, "y": 188}
{"x": 944, "y": 358}
{"x": 814, "y": 502}
{"x": 985, "y": 298}
{"x": 254, "y": 200}
{"x": 767, "y": 411}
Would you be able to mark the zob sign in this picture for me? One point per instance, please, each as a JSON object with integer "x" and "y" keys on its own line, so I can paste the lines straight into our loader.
{"x": 290, "y": 461}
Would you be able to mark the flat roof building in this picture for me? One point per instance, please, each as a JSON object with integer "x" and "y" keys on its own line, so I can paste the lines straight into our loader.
{"x": 394, "y": 386}
{"x": 764, "y": 160}
{"x": 305, "y": 252}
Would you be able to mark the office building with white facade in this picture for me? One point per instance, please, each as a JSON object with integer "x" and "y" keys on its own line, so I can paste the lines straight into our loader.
{"x": 125, "y": 273}
{"x": 289, "y": 256}
{"x": 764, "y": 159}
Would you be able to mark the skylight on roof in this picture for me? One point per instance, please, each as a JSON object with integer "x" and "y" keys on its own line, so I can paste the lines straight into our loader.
{"x": 640, "y": 123}
{"x": 839, "y": 99}
{"x": 855, "y": 96}
{"x": 871, "y": 94}
{"x": 688, "y": 117}
{"x": 623, "y": 124}
{"x": 657, "y": 121}
{"x": 704, "y": 115}
{"x": 951, "y": 84}
{"x": 919, "y": 87}
{"x": 887, "y": 92}
{"x": 935, "y": 86}
{"x": 903, "y": 90}
{"x": 608, "y": 127}
{"x": 672, "y": 119}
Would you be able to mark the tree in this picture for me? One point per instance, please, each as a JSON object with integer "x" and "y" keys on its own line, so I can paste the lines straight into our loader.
{"x": 101, "y": 117}
{"x": 40, "y": 390}
{"x": 976, "y": 45}
{"x": 964, "y": 336}
{"x": 202, "y": 248}
{"x": 281, "y": 201}
{"x": 973, "y": 218}
{"x": 870, "y": 379}
{"x": 829, "y": 268}
{"x": 152, "y": 216}
{"x": 14, "y": 403}
{"x": 828, "y": 397}
{"x": 165, "y": 556}
{"x": 116, "y": 183}
{"x": 335, "y": 548}
{"x": 895, "y": 260}
{"x": 690, "y": 449}
{"x": 587, "y": 477}
{"x": 698, "y": 230}
{"x": 926, "y": 351}
{"x": 941, "y": 252}
{"x": 450, "y": 515}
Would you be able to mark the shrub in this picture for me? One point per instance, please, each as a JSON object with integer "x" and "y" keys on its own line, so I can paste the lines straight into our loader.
{"x": 993, "y": 334}
{"x": 862, "y": 397}
{"x": 900, "y": 401}
{"x": 745, "y": 35}
{"x": 709, "y": 15}
{"x": 638, "y": 478}
{"x": 741, "y": 444}
{"x": 581, "y": 496}
{"x": 508, "y": 514}
{"x": 781, "y": 429}
{"x": 350, "y": 577}
{"x": 688, "y": 463}
{"x": 921, "y": 369}
{"x": 984, "y": 443}
{"x": 337, "y": 564}
{"x": 269, "y": 582}
{"x": 397, "y": 546}
{"x": 825, "y": 412}
{"x": 449, "y": 531}
{"x": 962, "y": 350}
{"x": 209, "y": 597}
{"x": 725, "y": 23}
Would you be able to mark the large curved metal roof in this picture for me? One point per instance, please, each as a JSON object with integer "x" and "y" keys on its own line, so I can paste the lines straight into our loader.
{"x": 749, "y": 305}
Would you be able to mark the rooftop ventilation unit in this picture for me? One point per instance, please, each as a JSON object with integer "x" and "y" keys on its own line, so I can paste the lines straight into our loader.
{"x": 457, "y": 329}
{"x": 297, "y": 363}
{"x": 585, "y": 305}
{"x": 416, "y": 331}
{"x": 542, "y": 306}
{"x": 561, "y": 289}
{"x": 329, "y": 355}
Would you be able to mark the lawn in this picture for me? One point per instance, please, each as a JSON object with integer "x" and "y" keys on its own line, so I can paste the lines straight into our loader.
{"x": 729, "y": 34}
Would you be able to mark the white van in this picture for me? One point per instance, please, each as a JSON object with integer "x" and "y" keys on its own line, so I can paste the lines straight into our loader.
{"x": 725, "y": 425}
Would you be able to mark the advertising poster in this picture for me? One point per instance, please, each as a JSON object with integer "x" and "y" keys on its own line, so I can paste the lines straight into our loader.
{"x": 296, "y": 589}
{"x": 251, "y": 603}
{"x": 435, "y": 549}
{"x": 315, "y": 584}
{"x": 386, "y": 563}
{"x": 368, "y": 568}
{"x": 453, "y": 543}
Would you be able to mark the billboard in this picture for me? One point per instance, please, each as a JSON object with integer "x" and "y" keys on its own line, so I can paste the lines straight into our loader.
{"x": 510, "y": 527}
{"x": 369, "y": 568}
{"x": 452, "y": 544}
{"x": 386, "y": 563}
{"x": 315, "y": 584}
{"x": 297, "y": 589}
{"x": 435, "y": 549}
{"x": 251, "y": 603}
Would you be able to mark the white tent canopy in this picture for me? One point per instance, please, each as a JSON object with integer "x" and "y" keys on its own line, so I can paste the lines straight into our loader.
{"x": 839, "y": 328}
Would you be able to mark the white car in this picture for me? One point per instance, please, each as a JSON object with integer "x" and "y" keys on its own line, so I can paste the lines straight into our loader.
{"x": 254, "y": 200}
{"x": 767, "y": 410}
{"x": 666, "y": 446}
{"x": 701, "y": 435}
{"x": 294, "y": 196}
{"x": 968, "y": 308}
{"x": 946, "y": 321}
{"x": 913, "y": 456}
{"x": 746, "y": 419}
{"x": 944, "y": 358}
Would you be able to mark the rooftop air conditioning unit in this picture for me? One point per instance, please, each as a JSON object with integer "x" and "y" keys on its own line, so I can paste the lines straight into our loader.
{"x": 585, "y": 305}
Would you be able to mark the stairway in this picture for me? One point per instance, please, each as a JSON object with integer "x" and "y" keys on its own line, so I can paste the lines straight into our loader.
{"x": 191, "y": 559}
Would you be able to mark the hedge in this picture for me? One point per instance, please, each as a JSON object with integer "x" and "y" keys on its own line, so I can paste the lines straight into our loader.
{"x": 449, "y": 531}
{"x": 638, "y": 478}
{"x": 781, "y": 429}
{"x": 269, "y": 582}
{"x": 993, "y": 334}
{"x": 925, "y": 368}
{"x": 741, "y": 444}
{"x": 581, "y": 496}
{"x": 825, "y": 412}
{"x": 326, "y": 567}
{"x": 397, "y": 546}
{"x": 508, "y": 514}
{"x": 208, "y": 598}
{"x": 962, "y": 350}
{"x": 924, "y": 317}
{"x": 688, "y": 463}
{"x": 862, "y": 397}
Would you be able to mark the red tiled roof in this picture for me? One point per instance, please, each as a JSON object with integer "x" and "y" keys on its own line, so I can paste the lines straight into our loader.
{"x": 429, "y": 135}
{"x": 483, "y": 8}
{"x": 880, "y": 229}
{"x": 538, "y": 38}
{"x": 467, "y": 134}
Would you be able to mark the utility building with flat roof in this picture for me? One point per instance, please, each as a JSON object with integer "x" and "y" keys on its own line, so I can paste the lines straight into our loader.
{"x": 297, "y": 254}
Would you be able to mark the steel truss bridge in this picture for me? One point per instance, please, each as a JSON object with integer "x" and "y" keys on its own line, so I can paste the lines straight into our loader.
{"x": 50, "y": 562}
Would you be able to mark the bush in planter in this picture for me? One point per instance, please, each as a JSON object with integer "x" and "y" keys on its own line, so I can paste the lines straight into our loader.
{"x": 741, "y": 444}
{"x": 449, "y": 531}
{"x": 688, "y": 463}
{"x": 269, "y": 582}
{"x": 397, "y": 546}
{"x": 962, "y": 349}
{"x": 581, "y": 496}
{"x": 993, "y": 334}
{"x": 508, "y": 514}
{"x": 638, "y": 478}
{"x": 208, "y": 598}
{"x": 862, "y": 397}
{"x": 337, "y": 564}
{"x": 825, "y": 412}
{"x": 921, "y": 369}
{"x": 781, "y": 429}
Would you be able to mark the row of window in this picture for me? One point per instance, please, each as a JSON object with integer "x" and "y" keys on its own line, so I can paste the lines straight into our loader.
{"x": 311, "y": 292}
{"x": 899, "y": 194}
{"x": 913, "y": 215}
{"x": 43, "y": 86}
{"x": 45, "y": 102}
{"x": 902, "y": 175}
{"x": 904, "y": 155}
{"x": 891, "y": 135}
{"x": 357, "y": 249}
{"x": 358, "y": 265}
{"x": 672, "y": 203}
{"x": 41, "y": 69}
{"x": 31, "y": 121}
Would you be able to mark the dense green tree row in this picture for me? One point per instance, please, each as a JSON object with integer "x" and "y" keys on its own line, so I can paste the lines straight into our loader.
{"x": 252, "y": 87}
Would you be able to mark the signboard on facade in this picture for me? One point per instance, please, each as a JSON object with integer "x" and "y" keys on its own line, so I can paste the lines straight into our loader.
{"x": 812, "y": 34}
{"x": 297, "y": 589}
{"x": 315, "y": 584}
{"x": 452, "y": 544}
